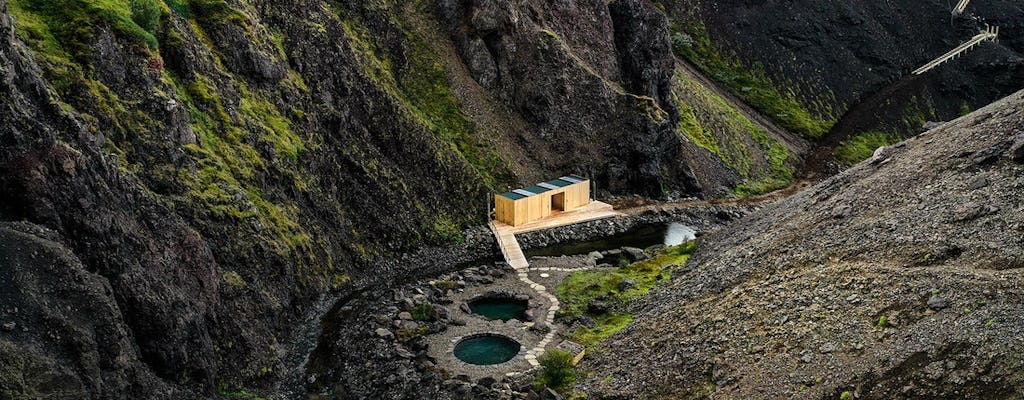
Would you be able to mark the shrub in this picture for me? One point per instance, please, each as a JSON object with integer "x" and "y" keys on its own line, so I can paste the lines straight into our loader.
{"x": 557, "y": 371}
{"x": 146, "y": 14}
{"x": 424, "y": 312}
{"x": 862, "y": 146}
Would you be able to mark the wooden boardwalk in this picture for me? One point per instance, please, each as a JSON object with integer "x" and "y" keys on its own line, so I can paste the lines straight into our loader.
{"x": 961, "y": 7}
{"x": 990, "y": 33}
{"x": 509, "y": 246}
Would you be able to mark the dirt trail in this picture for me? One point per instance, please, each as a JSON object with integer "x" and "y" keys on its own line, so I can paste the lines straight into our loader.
{"x": 633, "y": 206}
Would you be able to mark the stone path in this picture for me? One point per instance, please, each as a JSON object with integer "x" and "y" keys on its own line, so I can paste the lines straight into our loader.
{"x": 514, "y": 256}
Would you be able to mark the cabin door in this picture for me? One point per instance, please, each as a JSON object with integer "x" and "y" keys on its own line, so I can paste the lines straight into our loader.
{"x": 558, "y": 202}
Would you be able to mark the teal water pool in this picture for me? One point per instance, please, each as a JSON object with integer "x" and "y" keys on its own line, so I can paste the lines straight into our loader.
{"x": 499, "y": 308}
{"x": 486, "y": 350}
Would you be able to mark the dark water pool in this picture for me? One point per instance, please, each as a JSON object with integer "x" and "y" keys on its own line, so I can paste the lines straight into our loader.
{"x": 641, "y": 237}
{"x": 498, "y": 308}
{"x": 486, "y": 350}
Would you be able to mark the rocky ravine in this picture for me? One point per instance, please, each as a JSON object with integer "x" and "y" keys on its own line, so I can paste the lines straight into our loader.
{"x": 215, "y": 168}
{"x": 899, "y": 278}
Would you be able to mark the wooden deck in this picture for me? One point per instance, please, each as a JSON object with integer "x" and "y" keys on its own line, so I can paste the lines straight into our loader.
{"x": 593, "y": 211}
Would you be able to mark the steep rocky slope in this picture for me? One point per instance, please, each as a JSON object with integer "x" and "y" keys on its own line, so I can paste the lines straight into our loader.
{"x": 210, "y": 170}
{"x": 899, "y": 278}
{"x": 857, "y": 55}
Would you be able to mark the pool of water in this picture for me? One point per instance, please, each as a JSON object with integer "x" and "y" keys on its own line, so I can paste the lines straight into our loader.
{"x": 641, "y": 237}
{"x": 498, "y": 308}
{"x": 486, "y": 350}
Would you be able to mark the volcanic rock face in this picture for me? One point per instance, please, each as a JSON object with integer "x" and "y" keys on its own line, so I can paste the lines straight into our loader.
{"x": 555, "y": 63}
{"x": 911, "y": 291}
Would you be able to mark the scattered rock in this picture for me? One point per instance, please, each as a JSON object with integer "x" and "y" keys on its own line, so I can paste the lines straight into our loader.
{"x": 978, "y": 183}
{"x": 384, "y": 333}
{"x": 938, "y": 303}
{"x": 990, "y": 154}
{"x": 8, "y": 326}
{"x": 807, "y": 358}
{"x": 635, "y": 254}
{"x": 843, "y": 211}
{"x": 1017, "y": 149}
{"x": 405, "y": 315}
{"x": 597, "y": 307}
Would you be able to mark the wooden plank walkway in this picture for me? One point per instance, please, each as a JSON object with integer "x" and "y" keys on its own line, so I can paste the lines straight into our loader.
{"x": 990, "y": 33}
{"x": 509, "y": 247}
{"x": 961, "y": 7}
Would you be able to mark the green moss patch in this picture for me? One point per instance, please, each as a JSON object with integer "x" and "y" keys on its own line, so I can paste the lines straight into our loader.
{"x": 862, "y": 146}
{"x": 66, "y": 28}
{"x": 579, "y": 288}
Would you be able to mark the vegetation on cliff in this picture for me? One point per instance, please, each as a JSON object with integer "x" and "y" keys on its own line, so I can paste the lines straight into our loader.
{"x": 751, "y": 83}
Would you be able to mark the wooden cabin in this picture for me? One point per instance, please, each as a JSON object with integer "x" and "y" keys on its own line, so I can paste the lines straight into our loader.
{"x": 542, "y": 200}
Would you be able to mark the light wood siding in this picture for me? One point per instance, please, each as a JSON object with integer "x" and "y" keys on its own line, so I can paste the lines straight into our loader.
{"x": 518, "y": 212}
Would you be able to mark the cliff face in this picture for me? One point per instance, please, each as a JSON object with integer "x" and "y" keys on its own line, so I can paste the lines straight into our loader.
{"x": 203, "y": 171}
{"x": 896, "y": 279}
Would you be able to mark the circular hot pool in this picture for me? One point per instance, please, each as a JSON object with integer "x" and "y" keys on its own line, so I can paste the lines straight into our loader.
{"x": 497, "y": 308}
{"x": 486, "y": 349}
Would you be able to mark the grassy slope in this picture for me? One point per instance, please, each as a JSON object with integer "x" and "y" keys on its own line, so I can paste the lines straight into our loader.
{"x": 716, "y": 126}
{"x": 751, "y": 83}
{"x": 861, "y": 146}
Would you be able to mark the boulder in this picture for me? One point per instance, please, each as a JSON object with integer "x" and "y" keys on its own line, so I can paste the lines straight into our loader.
{"x": 635, "y": 254}
{"x": 938, "y": 303}
{"x": 549, "y": 394}
{"x": 595, "y": 306}
{"x": 626, "y": 284}
{"x": 384, "y": 333}
{"x": 1017, "y": 149}
{"x": 842, "y": 211}
{"x": 486, "y": 381}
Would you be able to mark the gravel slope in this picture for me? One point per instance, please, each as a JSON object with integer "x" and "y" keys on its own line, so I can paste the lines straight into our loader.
{"x": 788, "y": 302}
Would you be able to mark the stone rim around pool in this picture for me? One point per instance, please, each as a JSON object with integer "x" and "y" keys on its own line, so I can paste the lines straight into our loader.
{"x": 459, "y": 341}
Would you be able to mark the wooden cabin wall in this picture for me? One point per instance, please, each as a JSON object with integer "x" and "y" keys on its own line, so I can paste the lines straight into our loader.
{"x": 518, "y": 212}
